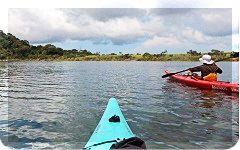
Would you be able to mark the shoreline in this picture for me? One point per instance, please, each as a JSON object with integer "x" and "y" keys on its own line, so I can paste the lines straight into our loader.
{"x": 21, "y": 50}
{"x": 56, "y": 60}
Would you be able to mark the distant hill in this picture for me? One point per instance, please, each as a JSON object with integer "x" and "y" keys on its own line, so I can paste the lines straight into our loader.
{"x": 13, "y": 48}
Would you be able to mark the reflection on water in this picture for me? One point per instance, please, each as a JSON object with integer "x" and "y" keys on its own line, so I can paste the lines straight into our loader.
{"x": 58, "y": 104}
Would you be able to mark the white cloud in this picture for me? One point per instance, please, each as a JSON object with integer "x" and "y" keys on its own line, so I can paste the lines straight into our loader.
{"x": 159, "y": 28}
{"x": 160, "y": 42}
{"x": 50, "y": 25}
{"x": 195, "y": 36}
{"x": 217, "y": 23}
{"x": 188, "y": 39}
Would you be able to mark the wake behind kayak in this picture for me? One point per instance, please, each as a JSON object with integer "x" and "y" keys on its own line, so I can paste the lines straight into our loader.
{"x": 113, "y": 132}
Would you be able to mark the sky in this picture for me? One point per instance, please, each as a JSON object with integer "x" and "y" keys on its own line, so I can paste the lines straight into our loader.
{"x": 127, "y": 30}
{"x": 126, "y": 26}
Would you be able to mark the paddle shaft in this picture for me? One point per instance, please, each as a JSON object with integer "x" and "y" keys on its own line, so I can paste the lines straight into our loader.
{"x": 170, "y": 74}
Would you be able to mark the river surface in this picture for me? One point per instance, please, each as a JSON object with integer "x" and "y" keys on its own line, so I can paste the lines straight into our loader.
{"x": 58, "y": 104}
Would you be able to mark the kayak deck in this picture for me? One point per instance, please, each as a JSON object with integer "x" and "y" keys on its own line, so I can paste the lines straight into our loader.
{"x": 107, "y": 132}
{"x": 216, "y": 85}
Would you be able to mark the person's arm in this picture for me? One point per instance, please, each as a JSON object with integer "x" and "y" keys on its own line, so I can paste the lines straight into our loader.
{"x": 195, "y": 69}
{"x": 219, "y": 70}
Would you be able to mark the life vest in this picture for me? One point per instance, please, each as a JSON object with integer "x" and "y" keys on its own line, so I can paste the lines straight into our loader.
{"x": 210, "y": 77}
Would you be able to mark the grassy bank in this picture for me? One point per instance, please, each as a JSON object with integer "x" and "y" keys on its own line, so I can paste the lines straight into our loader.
{"x": 129, "y": 57}
{"x": 135, "y": 57}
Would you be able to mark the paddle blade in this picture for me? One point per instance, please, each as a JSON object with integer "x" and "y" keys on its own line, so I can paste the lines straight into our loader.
{"x": 167, "y": 75}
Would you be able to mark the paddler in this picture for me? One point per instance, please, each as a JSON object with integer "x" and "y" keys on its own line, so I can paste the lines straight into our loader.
{"x": 208, "y": 70}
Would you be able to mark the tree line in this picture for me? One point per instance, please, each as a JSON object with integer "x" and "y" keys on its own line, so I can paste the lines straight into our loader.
{"x": 13, "y": 48}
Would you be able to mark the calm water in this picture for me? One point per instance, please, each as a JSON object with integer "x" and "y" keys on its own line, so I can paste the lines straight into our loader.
{"x": 58, "y": 104}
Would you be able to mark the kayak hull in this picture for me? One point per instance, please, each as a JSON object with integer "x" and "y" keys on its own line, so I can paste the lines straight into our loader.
{"x": 109, "y": 131}
{"x": 206, "y": 85}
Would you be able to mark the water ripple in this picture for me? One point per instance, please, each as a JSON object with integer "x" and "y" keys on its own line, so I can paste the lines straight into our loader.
{"x": 57, "y": 105}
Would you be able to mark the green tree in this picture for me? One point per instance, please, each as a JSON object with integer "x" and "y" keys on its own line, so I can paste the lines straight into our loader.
{"x": 50, "y": 49}
{"x": 192, "y": 52}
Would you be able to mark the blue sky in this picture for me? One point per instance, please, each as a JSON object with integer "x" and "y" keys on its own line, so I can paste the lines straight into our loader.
{"x": 127, "y": 30}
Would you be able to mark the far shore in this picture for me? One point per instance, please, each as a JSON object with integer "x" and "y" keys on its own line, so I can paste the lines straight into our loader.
{"x": 184, "y": 58}
{"x": 15, "y": 49}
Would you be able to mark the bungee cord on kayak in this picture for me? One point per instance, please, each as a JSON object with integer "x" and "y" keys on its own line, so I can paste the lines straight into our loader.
{"x": 110, "y": 141}
{"x": 130, "y": 143}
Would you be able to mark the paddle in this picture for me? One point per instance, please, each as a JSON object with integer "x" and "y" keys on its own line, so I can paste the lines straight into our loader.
{"x": 170, "y": 74}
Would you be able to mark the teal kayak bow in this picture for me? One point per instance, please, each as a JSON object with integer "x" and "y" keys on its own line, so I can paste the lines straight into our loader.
{"x": 111, "y": 129}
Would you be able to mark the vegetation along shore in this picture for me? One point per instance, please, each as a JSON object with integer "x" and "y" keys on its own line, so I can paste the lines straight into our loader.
{"x": 13, "y": 48}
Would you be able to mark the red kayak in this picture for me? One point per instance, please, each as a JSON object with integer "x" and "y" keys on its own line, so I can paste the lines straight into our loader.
{"x": 197, "y": 82}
